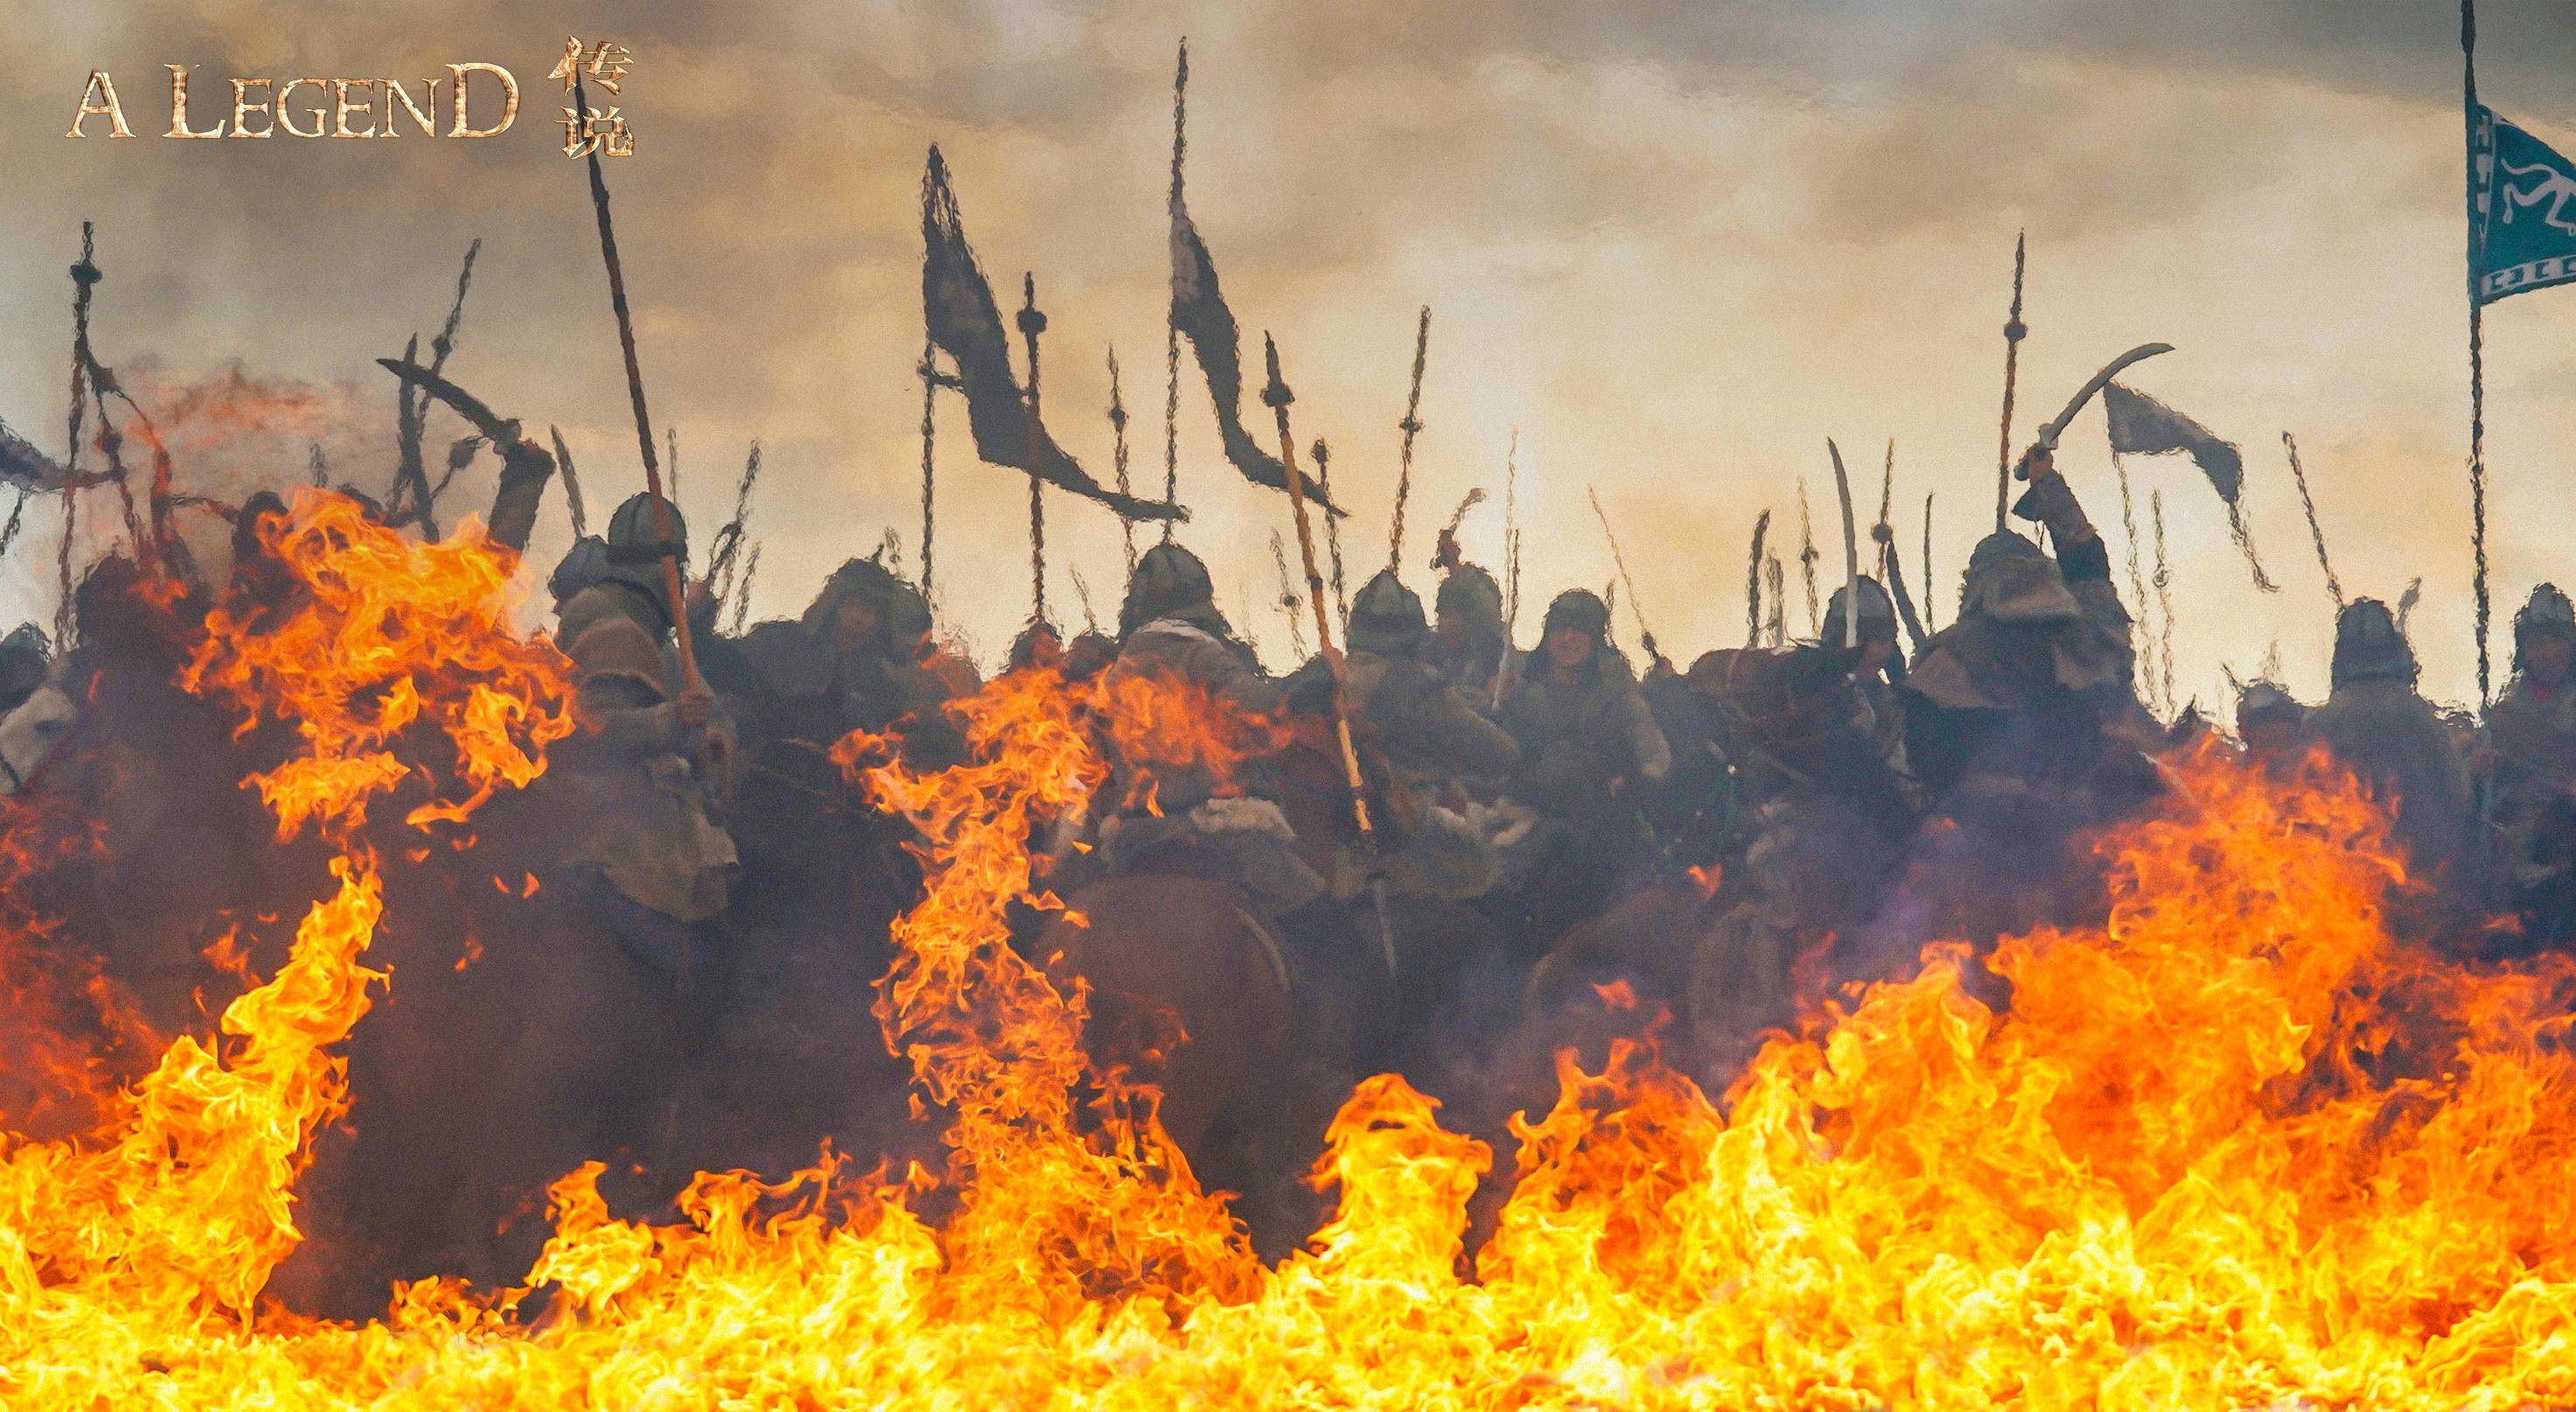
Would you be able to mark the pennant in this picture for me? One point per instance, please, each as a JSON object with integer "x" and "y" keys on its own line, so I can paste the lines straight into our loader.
{"x": 2523, "y": 210}
{"x": 957, "y": 307}
{"x": 1200, "y": 313}
{"x": 25, "y": 467}
{"x": 2142, "y": 426}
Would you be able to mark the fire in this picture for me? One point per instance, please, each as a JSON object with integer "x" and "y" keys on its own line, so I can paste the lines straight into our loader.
{"x": 2237, "y": 1147}
{"x": 387, "y": 633}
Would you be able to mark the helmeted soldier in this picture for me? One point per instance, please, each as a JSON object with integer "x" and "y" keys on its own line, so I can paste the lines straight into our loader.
{"x": 2026, "y": 694}
{"x": 851, "y": 661}
{"x": 1169, "y": 623}
{"x": 1170, "y": 630}
{"x": 642, "y": 776}
{"x": 1590, "y": 756}
{"x": 2272, "y": 725}
{"x": 2381, "y": 728}
{"x": 2531, "y": 738}
{"x": 1467, "y": 623}
{"x": 1427, "y": 734}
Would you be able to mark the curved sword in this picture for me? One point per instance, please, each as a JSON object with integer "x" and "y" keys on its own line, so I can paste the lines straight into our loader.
{"x": 2049, "y": 432}
{"x": 502, "y": 432}
{"x": 1851, "y": 551}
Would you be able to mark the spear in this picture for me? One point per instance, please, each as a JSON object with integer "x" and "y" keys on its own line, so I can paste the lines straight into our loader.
{"x": 1277, "y": 396}
{"x": 661, "y": 506}
{"x": 1645, "y": 634}
{"x": 2014, "y": 333}
{"x": 2316, "y": 531}
{"x": 1511, "y": 563}
{"x": 1288, "y": 602}
{"x": 1411, "y": 425}
{"x": 1118, "y": 431}
{"x": 1753, "y": 582}
{"x": 1928, "y": 580}
{"x": 1332, "y": 531}
{"x": 1807, "y": 553}
{"x": 1032, "y": 323}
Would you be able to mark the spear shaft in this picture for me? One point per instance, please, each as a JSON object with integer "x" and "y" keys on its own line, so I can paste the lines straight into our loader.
{"x": 1645, "y": 634}
{"x": 2014, "y": 333}
{"x": 1410, "y": 426}
{"x": 661, "y": 505}
{"x": 1277, "y": 396}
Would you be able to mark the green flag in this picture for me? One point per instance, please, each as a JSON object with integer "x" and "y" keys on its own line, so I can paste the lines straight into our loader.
{"x": 2525, "y": 222}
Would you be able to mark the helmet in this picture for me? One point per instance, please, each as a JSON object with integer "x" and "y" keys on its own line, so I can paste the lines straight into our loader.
{"x": 1468, "y": 592}
{"x": 2368, "y": 645}
{"x": 1168, "y": 580}
{"x": 2261, "y": 701}
{"x": 2547, "y": 610}
{"x": 859, "y": 581}
{"x": 1580, "y": 609}
{"x": 631, "y": 533}
{"x": 1877, "y": 614}
{"x": 1386, "y": 617}
{"x": 25, "y": 654}
{"x": 2011, "y": 581}
{"x": 586, "y": 563}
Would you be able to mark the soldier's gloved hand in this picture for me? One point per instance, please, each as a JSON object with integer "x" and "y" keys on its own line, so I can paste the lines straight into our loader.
{"x": 696, "y": 706}
{"x": 2040, "y": 464}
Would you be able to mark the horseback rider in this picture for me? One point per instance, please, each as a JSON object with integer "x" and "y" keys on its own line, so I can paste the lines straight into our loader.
{"x": 1427, "y": 735}
{"x": 2379, "y": 726}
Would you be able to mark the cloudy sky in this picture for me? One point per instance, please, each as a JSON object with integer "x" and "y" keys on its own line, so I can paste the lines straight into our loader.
{"x": 1676, "y": 245}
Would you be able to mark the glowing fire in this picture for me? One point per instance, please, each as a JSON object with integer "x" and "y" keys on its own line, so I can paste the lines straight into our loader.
{"x": 2237, "y": 1148}
{"x": 387, "y": 633}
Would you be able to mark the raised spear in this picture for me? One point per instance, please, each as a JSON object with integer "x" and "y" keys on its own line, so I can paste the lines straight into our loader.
{"x": 1277, "y": 397}
{"x": 2014, "y": 332}
{"x": 1807, "y": 554}
{"x": 1645, "y": 634}
{"x": 661, "y": 506}
{"x": 1032, "y": 323}
{"x": 1753, "y": 582}
{"x": 2316, "y": 531}
{"x": 1410, "y": 426}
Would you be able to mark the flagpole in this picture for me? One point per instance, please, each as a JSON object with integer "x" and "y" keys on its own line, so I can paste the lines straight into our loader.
{"x": 2477, "y": 358}
{"x": 2014, "y": 333}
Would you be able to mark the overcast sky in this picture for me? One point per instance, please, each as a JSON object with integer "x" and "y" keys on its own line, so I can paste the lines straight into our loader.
{"x": 1675, "y": 245}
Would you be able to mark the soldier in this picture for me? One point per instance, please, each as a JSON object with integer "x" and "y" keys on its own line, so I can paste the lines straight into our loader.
{"x": 1467, "y": 624}
{"x": 1170, "y": 629}
{"x": 646, "y": 766}
{"x": 1427, "y": 734}
{"x": 2531, "y": 740}
{"x": 1589, "y": 752}
{"x": 1169, "y": 623}
{"x": 2385, "y": 732}
{"x": 852, "y": 661}
{"x": 2022, "y": 702}
{"x": 2273, "y": 727}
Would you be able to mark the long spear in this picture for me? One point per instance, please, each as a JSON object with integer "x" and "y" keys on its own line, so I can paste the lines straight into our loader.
{"x": 2014, "y": 332}
{"x": 2316, "y": 531}
{"x": 1645, "y": 634}
{"x": 1753, "y": 582}
{"x": 1410, "y": 426}
{"x": 2477, "y": 355}
{"x": 643, "y": 423}
{"x": 1032, "y": 323}
{"x": 1807, "y": 554}
{"x": 1277, "y": 396}
{"x": 1511, "y": 564}
{"x": 1118, "y": 433}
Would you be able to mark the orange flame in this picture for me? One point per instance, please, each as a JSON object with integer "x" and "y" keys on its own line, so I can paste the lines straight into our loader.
{"x": 386, "y": 632}
{"x": 2236, "y": 1147}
